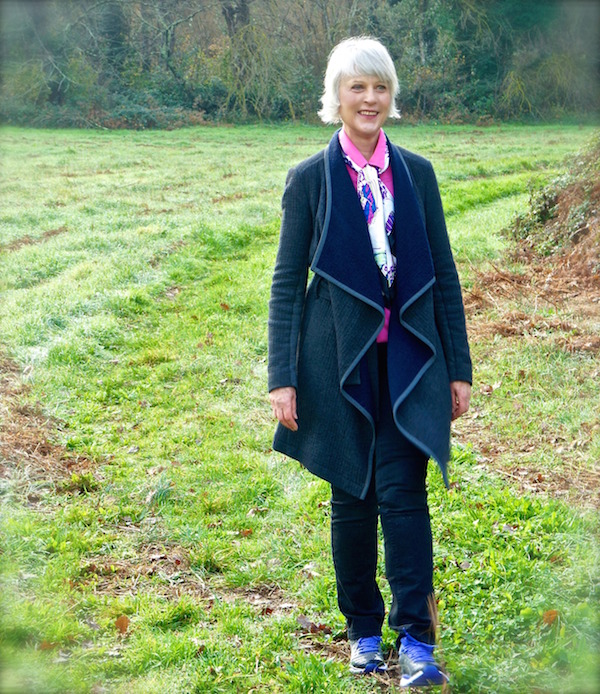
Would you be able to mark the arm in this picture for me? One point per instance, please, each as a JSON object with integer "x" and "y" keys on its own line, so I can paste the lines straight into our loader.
{"x": 287, "y": 298}
{"x": 448, "y": 304}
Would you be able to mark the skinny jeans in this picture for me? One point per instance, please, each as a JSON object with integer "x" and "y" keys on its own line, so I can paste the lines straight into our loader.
{"x": 397, "y": 494}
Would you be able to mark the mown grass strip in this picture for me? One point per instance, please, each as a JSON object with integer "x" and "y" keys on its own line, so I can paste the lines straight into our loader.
{"x": 144, "y": 333}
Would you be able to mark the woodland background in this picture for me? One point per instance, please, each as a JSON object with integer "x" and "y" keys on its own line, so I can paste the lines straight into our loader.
{"x": 165, "y": 63}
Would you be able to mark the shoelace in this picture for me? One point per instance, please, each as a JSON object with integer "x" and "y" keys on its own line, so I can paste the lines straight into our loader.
{"x": 417, "y": 651}
{"x": 368, "y": 644}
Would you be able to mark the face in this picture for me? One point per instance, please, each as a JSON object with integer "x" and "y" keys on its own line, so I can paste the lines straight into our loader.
{"x": 364, "y": 106}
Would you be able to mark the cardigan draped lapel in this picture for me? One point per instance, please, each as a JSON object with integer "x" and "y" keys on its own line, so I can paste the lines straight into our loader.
{"x": 413, "y": 337}
{"x": 344, "y": 257}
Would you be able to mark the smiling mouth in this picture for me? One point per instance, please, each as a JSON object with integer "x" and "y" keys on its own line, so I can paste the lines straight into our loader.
{"x": 368, "y": 113}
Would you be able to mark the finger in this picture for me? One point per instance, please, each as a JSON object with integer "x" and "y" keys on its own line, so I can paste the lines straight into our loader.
{"x": 289, "y": 423}
{"x": 459, "y": 409}
{"x": 456, "y": 408}
{"x": 286, "y": 416}
{"x": 292, "y": 425}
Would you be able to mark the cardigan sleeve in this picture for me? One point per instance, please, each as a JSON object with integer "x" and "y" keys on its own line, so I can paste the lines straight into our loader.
{"x": 289, "y": 283}
{"x": 448, "y": 303}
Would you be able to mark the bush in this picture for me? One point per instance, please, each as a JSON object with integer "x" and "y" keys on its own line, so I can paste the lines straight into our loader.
{"x": 212, "y": 97}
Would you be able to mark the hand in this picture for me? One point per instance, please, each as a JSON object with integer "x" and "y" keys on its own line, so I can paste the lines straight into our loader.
{"x": 283, "y": 402}
{"x": 461, "y": 396}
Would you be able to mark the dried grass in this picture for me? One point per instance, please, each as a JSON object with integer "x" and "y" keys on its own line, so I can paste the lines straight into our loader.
{"x": 28, "y": 449}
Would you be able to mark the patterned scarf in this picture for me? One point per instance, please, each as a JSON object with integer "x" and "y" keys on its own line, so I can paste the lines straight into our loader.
{"x": 378, "y": 205}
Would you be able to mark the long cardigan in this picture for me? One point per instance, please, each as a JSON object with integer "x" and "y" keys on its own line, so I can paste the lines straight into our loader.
{"x": 319, "y": 340}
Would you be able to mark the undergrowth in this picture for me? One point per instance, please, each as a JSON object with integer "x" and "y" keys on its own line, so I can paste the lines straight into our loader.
{"x": 559, "y": 212}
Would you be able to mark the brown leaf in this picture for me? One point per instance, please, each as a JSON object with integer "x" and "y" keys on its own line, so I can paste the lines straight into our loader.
{"x": 324, "y": 629}
{"x": 309, "y": 571}
{"x": 311, "y": 627}
{"x": 122, "y": 623}
{"x": 224, "y": 306}
{"x": 47, "y": 646}
{"x": 200, "y": 646}
{"x": 307, "y": 625}
{"x": 550, "y": 616}
{"x": 257, "y": 510}
{"x": 246, "y": 532}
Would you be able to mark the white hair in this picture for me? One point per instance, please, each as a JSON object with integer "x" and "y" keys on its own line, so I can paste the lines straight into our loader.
{"x": 359, "y": 56}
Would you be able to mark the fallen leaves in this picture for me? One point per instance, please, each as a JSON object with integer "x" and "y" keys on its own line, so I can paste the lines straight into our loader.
{"x": 310, "y": 571}
{"x": 257, "y": 510}
{"x": 312, "y": 628}
{"x": 486, "y": 389}
{"x": 122, "y": 624}
{"x": 172, "y": 292}
{"x": 47, "y": 645}
{"x": 26, "y": 437}
{"x": 166, "y": 566}
{"x": 550, "y": 616}
{"x": 200, "y": 646}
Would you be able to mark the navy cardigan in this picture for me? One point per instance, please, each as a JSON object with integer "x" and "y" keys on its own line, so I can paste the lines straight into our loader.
{"x": 319, "y": 339}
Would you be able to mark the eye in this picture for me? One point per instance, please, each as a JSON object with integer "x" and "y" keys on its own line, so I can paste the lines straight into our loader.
{"x": 381, "y": 88}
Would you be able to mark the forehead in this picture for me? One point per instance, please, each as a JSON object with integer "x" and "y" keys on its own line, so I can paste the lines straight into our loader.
{"x": 362, "y": 77}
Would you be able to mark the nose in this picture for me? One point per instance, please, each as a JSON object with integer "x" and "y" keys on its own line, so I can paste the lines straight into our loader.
{"x": 370, "y": 94}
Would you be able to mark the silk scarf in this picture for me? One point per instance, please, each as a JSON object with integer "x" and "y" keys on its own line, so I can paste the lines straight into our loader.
{"x": 378, "y": 206}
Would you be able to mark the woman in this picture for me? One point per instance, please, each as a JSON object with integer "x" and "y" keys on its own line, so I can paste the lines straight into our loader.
{"x": 368, "y": 367}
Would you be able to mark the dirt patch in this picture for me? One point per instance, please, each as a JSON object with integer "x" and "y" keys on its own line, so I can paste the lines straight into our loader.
{"x": 267, "y": 600}
{"x": 30, "y": 240}
{"x": 160, "y": 570}
{"x": 553, "y": 299}
{"x": 28, "y": 450}
{"x": 164, "y": 570}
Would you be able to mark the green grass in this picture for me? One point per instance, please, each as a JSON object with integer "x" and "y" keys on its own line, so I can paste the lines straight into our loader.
{"x": 139, "y": 318}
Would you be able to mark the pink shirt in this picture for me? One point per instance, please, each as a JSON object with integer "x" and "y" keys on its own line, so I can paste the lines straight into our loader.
{"x": 377, "y": 159}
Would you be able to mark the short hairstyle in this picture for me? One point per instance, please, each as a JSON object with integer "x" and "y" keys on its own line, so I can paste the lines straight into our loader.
{"x": 355, "y": 57}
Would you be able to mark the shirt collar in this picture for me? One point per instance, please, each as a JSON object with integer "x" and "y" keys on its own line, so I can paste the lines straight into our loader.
{"x": 350, "y": 149}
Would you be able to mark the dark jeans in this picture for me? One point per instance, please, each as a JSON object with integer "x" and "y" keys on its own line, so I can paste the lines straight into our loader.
{"x": 398, "y": 495}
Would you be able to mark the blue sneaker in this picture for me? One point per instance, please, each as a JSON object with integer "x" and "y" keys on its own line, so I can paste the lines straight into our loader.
{"x": 366, "y": 656}
{"x": 418, "y": 665}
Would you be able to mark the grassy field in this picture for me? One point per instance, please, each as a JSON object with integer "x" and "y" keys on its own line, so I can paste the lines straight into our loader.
{"x": 151, "y": 540}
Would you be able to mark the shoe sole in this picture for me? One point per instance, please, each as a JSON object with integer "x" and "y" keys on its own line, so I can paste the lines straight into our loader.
{"x": 367, "y": 670}
{"x": 424, "y": 678}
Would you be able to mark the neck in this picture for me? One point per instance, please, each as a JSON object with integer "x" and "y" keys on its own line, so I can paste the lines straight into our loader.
{"x": 365, "y": 145}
